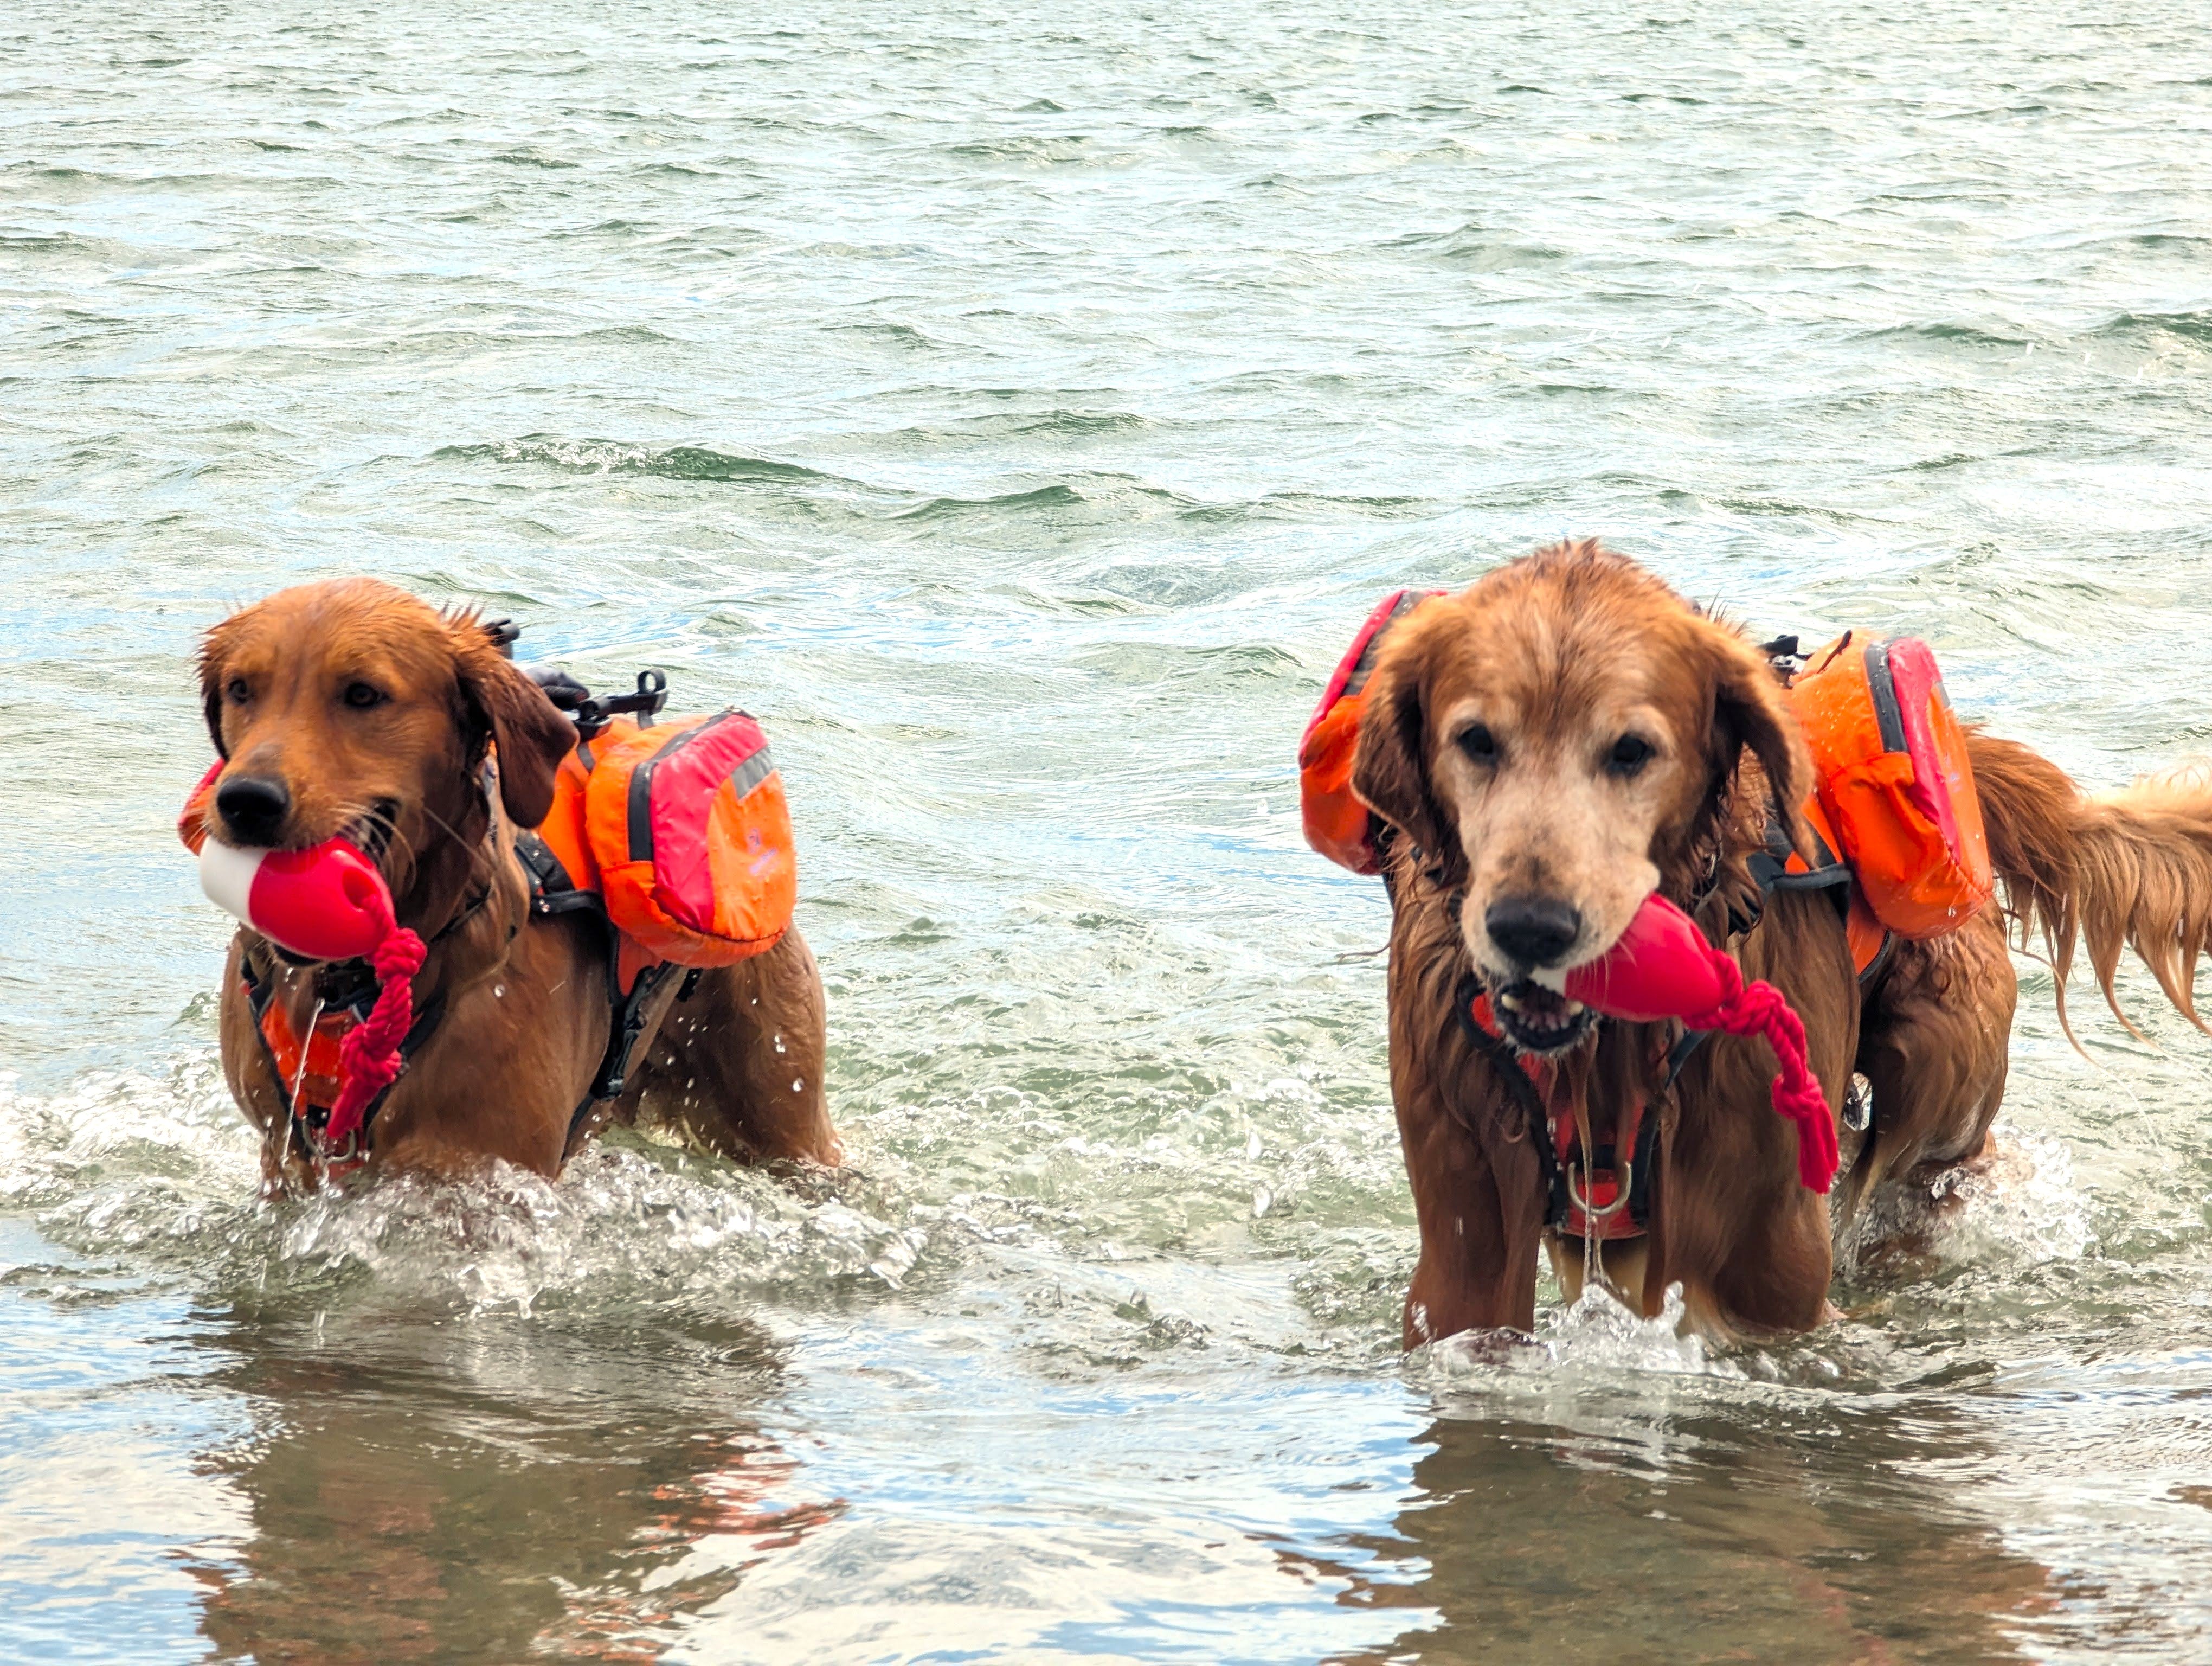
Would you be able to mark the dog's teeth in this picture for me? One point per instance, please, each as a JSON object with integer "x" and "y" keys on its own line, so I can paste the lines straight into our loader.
{"x": 1574, "y": 1009}
{"x": 1511, "y": 1003}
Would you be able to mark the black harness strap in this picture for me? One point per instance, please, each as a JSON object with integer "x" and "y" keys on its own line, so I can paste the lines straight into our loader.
{"x": 1557, "y": 1203}
{"x": 628, "y": 1030}
{"x": 1523, "y": 1091}
{"x": 553, "y": 891}
{"x": 1770, "y": 868}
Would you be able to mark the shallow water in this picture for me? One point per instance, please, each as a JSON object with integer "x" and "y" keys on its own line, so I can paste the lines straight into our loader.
{"x": 1016, "y": 408}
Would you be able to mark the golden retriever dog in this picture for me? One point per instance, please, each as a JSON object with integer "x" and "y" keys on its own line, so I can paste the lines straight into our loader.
{"x": 351, "y": 707}
{"x": 1567, "y": 735}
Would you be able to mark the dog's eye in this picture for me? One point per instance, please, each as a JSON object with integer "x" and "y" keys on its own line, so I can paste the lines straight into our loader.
{"x": 1479, "y": 743}
{"x": 1629, "y": 755}
{"x": 361, "y": 695}
{"x": 238, "y": 691}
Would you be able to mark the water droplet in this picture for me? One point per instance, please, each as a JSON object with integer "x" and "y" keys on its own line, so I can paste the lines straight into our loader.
{"x": 498, "y": 991}
{"x": 798, "y": 1083}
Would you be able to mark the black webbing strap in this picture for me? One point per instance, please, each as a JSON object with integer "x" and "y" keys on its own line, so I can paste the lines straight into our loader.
{"x": 1523, "y": 1091}
{"x": 622, "y": 1037}
{"x": 1770, "y": 868}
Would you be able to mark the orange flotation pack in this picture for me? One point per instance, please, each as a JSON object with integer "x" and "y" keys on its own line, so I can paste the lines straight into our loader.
{"x": 1893, "y": 804}
{"x": 1337, "y": 824}
{"x": 680, "y": 831}
{"x": 1891, "y": 771}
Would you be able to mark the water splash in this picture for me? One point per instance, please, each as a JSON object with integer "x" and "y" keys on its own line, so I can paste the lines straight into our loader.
{"x": 2020, "y": 1207}
{"x": 165, "y": 1169}
{"x": 1595, "y": 1337}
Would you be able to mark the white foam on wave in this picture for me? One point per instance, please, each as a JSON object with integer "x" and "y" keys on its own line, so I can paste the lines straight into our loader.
{"x": 627, "y": 1225}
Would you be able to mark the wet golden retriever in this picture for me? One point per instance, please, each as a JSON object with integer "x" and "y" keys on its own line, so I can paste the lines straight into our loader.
{"x": 352, "y": 708}
{"x": 1566, "y": 736}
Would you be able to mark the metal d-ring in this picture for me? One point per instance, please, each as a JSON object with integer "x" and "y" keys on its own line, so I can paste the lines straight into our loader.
{"x": 1620, "y": 1200}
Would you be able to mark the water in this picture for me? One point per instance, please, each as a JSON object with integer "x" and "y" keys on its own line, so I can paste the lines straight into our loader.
{"x": 1018, "y": 407}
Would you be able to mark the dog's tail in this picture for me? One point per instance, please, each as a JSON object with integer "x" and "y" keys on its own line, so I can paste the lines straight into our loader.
{"x": 2129, "y": 869}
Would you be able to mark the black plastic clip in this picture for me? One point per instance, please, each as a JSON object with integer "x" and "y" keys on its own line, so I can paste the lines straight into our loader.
{"x": 595, "y": 712}
{"x": 1784, "y": 655}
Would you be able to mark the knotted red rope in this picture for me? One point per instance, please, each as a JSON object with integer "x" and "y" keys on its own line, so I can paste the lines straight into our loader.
{"x": 368, "y": 1057}
{"x": 1662, "y": 967}
{"x": 1758, "y": 1009}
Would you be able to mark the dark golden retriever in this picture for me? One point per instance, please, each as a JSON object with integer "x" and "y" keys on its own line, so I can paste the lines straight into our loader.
{"x": 1567, "y": 735}
{"x": 351, "y": 707}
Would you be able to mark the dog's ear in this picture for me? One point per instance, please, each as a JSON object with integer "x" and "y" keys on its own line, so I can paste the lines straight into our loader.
{"x": 1749, "y": 710}
{"x": 1389, "y": 768}
{"x": 506, "y": 708}
{"x": 214, "y": 650}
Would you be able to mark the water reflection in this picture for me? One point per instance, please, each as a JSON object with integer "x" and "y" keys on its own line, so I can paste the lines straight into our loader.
{"x": 431, "y": 1487}
{"x": 1696, "y": 1537}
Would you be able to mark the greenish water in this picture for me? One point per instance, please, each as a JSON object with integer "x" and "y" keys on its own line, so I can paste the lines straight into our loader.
{"x": 1017, "y": 407}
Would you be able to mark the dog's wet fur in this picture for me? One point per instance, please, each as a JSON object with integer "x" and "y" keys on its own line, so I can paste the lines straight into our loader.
{"x": 1567, "y": 735}
{"x": 351, "y": 707}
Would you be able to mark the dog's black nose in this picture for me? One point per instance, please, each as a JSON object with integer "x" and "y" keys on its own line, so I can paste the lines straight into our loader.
{"x": 1533, "y": 931}
{"x": 253, "y": 808}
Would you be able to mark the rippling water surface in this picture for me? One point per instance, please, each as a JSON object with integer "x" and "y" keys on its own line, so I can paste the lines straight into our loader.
{"x": 1017, "y": 405}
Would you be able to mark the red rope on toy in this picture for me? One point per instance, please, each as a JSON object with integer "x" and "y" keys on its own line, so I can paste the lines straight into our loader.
{"x": 1758, "y": 1009}
{"x": 368, "y": 1057}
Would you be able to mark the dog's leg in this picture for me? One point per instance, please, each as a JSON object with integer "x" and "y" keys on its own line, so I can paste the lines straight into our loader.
{"x": 1623, "y": 1265}
{"x": 1477, "y": 1269}
{"x": 1936, "y": 1049}
{"x": 739, "y": 1066}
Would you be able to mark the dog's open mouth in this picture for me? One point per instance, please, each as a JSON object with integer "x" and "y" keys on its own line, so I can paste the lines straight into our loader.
{"x": 1536, "y": 1020}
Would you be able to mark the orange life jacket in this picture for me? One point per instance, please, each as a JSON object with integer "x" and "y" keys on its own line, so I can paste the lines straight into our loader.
{"x": 680, "y": 832}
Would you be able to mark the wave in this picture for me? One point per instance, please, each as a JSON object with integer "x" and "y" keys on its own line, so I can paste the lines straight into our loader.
{"x": 2190, "y": 326}
{"x": 1473, "y": 245}
{"x": 615, "y": 457}
{"x": 1056, "y": 496}
{"x": 1947, "y": 334}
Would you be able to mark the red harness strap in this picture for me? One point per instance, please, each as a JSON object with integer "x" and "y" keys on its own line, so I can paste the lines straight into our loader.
{"x": 1592, "y": 1200}
{"x": 1598, "y": 1207}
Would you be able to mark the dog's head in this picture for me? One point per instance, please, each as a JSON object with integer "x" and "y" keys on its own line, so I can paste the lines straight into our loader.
{"x": 1557, "y": 740}
{"x": 350, "y": 708}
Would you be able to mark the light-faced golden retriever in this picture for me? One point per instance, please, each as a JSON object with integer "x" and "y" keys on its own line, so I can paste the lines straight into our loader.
{"x": 1567, "y": 735}
{"x": 352, "y": 708}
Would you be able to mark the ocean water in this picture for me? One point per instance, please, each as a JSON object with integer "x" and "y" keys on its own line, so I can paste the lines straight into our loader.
{"x": 1017, "y": 406}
